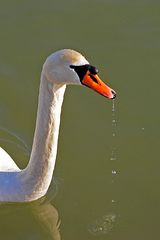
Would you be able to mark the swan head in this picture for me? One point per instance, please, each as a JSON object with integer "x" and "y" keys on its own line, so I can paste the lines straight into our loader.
{"x": 70, "y": 67}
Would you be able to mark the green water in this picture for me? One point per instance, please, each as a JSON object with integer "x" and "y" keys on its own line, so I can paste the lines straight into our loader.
{"x": 92, "y": 196}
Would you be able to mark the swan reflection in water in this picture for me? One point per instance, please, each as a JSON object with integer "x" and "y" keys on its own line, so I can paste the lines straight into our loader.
{"x": 36, "y": 220}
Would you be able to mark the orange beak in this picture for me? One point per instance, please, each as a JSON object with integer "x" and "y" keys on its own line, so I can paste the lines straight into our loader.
{"x": 93, "y": 81}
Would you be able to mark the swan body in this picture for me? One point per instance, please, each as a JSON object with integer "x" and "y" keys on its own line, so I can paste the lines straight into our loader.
{"x": 61, "y": 68}
{"x": 6, "y": 162}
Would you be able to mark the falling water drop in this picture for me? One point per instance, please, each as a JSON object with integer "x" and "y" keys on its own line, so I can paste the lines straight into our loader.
{"x": 114, "y": 172}
{"x": 113, "y": 156}
{"x": 114, "y": 125}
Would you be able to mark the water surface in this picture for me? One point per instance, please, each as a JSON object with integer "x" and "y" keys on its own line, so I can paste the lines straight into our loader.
{"x": 95, "y": 198}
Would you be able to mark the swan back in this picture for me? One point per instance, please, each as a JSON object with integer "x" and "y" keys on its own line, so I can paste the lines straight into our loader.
{"x": 6, "y": 162}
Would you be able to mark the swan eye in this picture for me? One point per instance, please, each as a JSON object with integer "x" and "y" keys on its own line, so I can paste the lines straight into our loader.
{"x": 82, "y": 70}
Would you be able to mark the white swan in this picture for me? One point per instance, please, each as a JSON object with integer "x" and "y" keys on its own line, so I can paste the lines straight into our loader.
{"x": 63, "y": 67}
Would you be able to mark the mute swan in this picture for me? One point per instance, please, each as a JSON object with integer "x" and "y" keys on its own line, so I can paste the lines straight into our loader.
{"x": 61, "y": 68}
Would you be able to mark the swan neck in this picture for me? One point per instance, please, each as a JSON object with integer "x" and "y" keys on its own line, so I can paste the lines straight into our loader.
{"x": 43, "y": 155}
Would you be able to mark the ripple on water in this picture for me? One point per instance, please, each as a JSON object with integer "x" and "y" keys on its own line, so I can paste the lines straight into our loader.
{"x": 13, "y": 139}
{"x": 102, "y": 225}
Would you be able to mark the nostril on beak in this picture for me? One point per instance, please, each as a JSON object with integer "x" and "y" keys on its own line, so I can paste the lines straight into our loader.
{"x": 114, "y": 94}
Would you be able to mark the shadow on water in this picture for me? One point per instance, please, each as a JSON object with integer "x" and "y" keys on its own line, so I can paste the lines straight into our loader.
{"x": 38, "y": 219}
